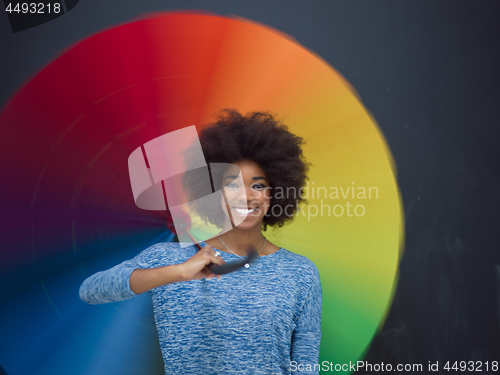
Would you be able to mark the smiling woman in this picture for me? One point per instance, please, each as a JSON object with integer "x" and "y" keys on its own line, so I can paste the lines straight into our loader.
{"x": 262, "y": 139}
{"x": 259, "y": 319}
{"x": 250, "y": 201}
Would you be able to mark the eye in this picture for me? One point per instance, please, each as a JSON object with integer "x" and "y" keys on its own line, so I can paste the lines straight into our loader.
{"x": 258, "y": 186}
{"x": 232, "y": 185}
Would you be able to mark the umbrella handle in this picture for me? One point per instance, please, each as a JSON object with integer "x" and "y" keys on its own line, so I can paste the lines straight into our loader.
{"x": 228, "y": 267}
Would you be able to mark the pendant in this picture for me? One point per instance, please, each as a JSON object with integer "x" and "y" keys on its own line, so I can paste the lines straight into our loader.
{"x": 247, "y": 265}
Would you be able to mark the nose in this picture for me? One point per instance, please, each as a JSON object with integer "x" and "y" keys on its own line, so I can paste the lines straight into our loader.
{"x": 250, "y": 194}
{"x": 245, "y": 195}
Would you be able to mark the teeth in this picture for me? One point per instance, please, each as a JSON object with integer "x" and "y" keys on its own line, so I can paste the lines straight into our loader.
{"x": 244, "y": 211}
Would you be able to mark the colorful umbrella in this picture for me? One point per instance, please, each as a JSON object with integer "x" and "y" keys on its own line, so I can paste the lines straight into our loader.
{"x": 68, "y": 209}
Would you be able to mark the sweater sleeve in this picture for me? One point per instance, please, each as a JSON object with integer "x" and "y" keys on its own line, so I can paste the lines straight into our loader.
{"x": 110, "y": 285}
{"x": 307, "y": 334}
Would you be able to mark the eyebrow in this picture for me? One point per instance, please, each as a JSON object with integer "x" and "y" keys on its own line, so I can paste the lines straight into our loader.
{"x": 234, "y": 177}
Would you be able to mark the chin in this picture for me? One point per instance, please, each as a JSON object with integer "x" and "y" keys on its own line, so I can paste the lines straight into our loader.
{"x": 245, "y": 227}
{"x": 249, "y": 223}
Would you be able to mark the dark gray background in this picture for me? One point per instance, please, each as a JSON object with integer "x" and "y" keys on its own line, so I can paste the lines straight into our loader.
{"x": 429, "y": 71}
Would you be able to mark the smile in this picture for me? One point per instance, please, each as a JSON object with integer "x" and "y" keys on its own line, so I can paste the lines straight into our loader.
{"x": 245, "y": 211}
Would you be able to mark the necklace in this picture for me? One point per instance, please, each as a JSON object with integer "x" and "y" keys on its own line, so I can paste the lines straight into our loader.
{"x": 239, "y": 256}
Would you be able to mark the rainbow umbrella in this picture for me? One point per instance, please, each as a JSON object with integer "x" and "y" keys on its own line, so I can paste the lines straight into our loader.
{"x": 68, "y": 208}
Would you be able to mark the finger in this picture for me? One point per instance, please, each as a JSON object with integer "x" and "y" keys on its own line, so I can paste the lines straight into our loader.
{"x": 208, "y": 248}
{"x": 206, "y": 272}
{"x": 211, "y": 275}
{"x": 217, "y": 260}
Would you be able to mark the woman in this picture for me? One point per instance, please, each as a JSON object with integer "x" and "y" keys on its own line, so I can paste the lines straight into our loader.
{"x": 258, "y": 319}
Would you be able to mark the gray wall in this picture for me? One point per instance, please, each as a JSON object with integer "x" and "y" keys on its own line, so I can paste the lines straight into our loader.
{"x": 429, "y": 73}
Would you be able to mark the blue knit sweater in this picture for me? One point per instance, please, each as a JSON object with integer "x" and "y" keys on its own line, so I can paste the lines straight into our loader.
{"x": 256, "y": 320}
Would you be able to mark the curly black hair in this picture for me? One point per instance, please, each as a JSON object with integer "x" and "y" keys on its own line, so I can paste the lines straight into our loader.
{"x": 264, "y": 139}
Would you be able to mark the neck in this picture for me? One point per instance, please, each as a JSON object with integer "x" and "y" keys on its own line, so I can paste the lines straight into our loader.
{"x": 240, "y": 241}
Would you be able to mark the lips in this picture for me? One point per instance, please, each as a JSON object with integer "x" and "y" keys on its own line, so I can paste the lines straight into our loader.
{"x": 245, "y": 211}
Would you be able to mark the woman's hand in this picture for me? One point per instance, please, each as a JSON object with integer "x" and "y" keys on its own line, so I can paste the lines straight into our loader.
{"x": 196, "y": 267}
